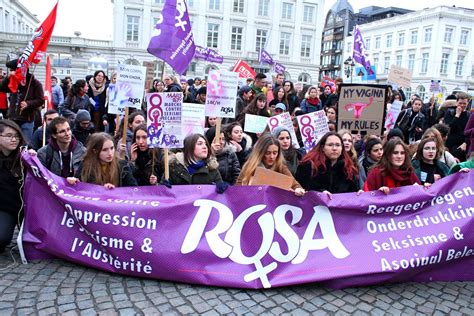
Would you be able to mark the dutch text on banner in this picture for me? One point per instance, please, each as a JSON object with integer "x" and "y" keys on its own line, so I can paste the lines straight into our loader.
{"x": 221, "y": 93}
{"x": 400, "y": 76}
{"x": 244, "y": 70}
{"x": 128, "y": 90}
{"x": 164, "y": 128}
{"x": 362, "y": 108}
{"x": 172, "y": 38}
{"x": 284, "y": 119}
{"x": 251, "y": 236}
{"x": 391, "y": 118}
{"x": 255, "y": 123}
{"x": 193, "y": 119}
{"x": 312, "y": 126}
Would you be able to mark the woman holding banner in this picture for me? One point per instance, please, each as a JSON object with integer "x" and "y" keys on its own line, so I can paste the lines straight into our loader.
{"x": 101, "y": 165}
{"x": 328, "y": 168}
{"x": 393, "y": 170}
{"x": 195, "y": 165}
{"x": 428, "y": 167}
{"x": 145, "y": 162}
{"x": 267, "y": 153}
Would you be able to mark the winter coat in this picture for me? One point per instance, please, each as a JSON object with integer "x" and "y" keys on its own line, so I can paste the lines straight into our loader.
{"x": 441, "y": 168}
{"x": 246, "y": 145}
{"x": 34, "y": 99}
{"x": 408, "y": 125}
{"x": 229, "y": 165}
{"x": 72, "y": 105}
{"x": 208, "y": 174}
{"x": 174, "y": 87}
{"x": 37, "y": 139}
{"x": 333, "y": 179}
{"x": 52, "y": 158}
{"x": 365, "y": 163}
{"x": 456, "y": 135}
{"x": 293, "y": 102}
{"x": 307, "y": 107}
{"x": 126, "y": 178}
{"x": 142, "y": 167}
{"x": 466, "y": 164}
{"x": 10, "y": 182}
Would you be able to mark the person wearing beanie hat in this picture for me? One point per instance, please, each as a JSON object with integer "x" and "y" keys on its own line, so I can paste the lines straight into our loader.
{"x": 83, "y": 127}
{"x": 395, "y": 132}
{"x": 290, "y": 153}
{"x": 372, "y": 155}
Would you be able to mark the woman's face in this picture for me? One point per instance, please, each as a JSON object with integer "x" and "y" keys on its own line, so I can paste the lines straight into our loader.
{"x": 347, "y": 140}
{"x": 237, "y": 134}
{"x": 327, "y": 90}
{"x": 114, "y": 78}
{"x": 332, "y": 148}
{"x": 331, "y": 114}
{"x": 84, "y": 90}
{"x": 281, "y": 93}
{"x": 137, "y": 120}
{"x": 212, "y": 121}
{"x": 140, "y": 139}
{"x": 100, "y": 77}
{"x": 9, "y": 140}
{"x": 397, "y": 158}
{"x": 200, "y": 149}
{"x": 260, "y": 104}
{"x": 376, "y": 152}
{"x": 160, "y": 86}
{"x": 270, "y": 156}
{"x": 287, "y": 86}
{"x": 429, "y": 151}
{"x": 397, "y": 97}
{"x": 107, "y": 152}
{"x": 285, "y": 140}
{"x": 416, "y": 106}
{"x": 222, "y": 140}
{"x": 313, "y": 93}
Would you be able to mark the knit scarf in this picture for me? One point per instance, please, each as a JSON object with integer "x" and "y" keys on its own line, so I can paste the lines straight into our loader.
{"x": 96, "y": 88}
{"x": 313, "y": 101}
{"x": 192, "y": 168}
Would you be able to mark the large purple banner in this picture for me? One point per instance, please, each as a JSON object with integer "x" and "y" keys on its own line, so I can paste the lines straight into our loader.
{"x": 253, "y": 237}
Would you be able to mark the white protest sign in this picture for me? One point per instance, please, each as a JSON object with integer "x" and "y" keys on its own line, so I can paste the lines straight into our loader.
{"x": 392, "y": 114}
{"x": 255, "y": 123}
{"x": 221, "y": 93}
{"x": 128, "y": 90}
{"x": 193, "y": 119}
{"x": 313, "y": 126}
{"x": 164, "y": 120}
{"x": 284, "y": 119}
{"x": 400, "y": 76}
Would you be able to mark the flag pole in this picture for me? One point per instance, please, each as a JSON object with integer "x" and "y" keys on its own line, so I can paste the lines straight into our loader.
{"x": 166, "y": 151}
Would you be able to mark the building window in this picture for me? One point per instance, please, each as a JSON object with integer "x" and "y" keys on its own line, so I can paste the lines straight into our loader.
{"x": 285, "y": 43}
{"x": 448, "y": 34}
{"x": 263, "y": 7}
{"x": 214, "y": 4}
{"x": 287, "y": 11}
{"x": 424, "y": 62}
{"x": 261, "y": 40}
{"x": 306, "y": 45}
{"x": 377, "y": 42}
{"x": 239, "y": 6}
{"x": 444, "y": 64}
{"x": 414, "y": 37}
{"x": 308, "y": 14}
{"x": 389, "y": 41}
{"x": 304, "y": 77}
{"x": 428, "y": 33}
{"x": 132, "y": 28}
{"x": 421, "y": 92}
{"x": 464, "y": 37}
{"x": 411, "y": 62}
{"x": 399, "y": 60}
{"x": 401, "y": 39}
{"x": 212, "y": 35}
{"x": 386, "y": 64}
{"x": 159, "y": 1}
{"x": 236, "y": 40}
{"x": 367, "y": 43}
{"x": 459, "y": 65}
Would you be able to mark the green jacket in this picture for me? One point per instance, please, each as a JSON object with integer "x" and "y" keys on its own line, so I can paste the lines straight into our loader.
{"x": 466, "y": 164}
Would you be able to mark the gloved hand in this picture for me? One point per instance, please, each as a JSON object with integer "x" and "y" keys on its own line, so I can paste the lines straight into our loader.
{"x": 167, "y": 183}
{"x": 221, "y": 187}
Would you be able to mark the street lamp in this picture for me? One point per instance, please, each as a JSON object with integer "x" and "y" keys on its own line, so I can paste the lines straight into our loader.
{"x": 349, "y": 65}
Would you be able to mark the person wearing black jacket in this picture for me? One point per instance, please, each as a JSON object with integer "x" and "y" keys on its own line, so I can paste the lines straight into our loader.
{"x": 458, "y": 118}
{"x": 412, "y": 122}
{"x": 229, "y": 165}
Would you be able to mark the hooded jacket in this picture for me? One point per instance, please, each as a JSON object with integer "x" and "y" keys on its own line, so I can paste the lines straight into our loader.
{"x": 208, "y": 174}
{"x": 54, "y": 160}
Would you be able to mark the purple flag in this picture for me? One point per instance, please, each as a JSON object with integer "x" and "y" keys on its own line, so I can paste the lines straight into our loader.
{"x": 215, "y": 57}
{"x": 253, "y": 236}
{"x": 279, "y": 68}
{"x": 360, "y": 53}
{"x": 172, "y": 38}
{"x": 265, "y": 57}
{"x": 201, "y": 52}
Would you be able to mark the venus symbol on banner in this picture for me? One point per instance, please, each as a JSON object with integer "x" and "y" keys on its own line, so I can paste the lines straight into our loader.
{"x": 155, "y": 113}
{"x": 307, "y": 131}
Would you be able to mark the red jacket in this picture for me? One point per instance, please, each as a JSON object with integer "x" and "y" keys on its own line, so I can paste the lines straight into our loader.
{"x": 393, "y": 179}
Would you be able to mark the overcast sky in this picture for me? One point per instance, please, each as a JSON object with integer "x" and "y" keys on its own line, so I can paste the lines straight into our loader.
{"x": 93, "y": 18}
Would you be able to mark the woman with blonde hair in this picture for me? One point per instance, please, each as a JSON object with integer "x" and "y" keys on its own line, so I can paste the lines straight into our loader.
{"x": 267, "y": 153}
{"x": 101, "y": 166}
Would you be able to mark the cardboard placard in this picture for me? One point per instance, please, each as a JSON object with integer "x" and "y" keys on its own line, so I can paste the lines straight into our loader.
{"x": 264, "y": 176}
{"x": 400, "y": 76}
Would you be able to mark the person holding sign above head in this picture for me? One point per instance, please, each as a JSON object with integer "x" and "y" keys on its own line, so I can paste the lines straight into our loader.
{"x": 267, "y": 154}
{"x": 145, "y": 162}
{"x": 195, "y": 165}
{"x": 101, "y": 166}
{"x": 328, "y": 168}
{"x": 393, "y": 170}
{"x": 428, "y": 167}
{"x": 258, "y": 106}
{"x": 241, "y": 142}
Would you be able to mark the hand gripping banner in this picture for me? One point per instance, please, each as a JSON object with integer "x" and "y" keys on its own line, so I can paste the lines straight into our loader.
{"x": 253, "y": 237}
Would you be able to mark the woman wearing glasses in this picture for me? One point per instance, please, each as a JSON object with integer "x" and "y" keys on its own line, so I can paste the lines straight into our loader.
{"x": 328, "y": 168}
{"x": 11, "y": 138}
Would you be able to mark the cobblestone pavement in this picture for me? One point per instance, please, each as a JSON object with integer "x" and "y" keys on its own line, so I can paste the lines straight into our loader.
{"x": 52, "y": 287}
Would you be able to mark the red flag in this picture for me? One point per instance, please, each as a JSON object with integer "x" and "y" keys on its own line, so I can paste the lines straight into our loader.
{"x": 244, "y": 70}
{"x": 48, "y": 91}
{"x": 35, "y": 49}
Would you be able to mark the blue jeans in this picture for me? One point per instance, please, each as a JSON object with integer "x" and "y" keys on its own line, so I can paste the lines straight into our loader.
{"x": 27, "y": 129}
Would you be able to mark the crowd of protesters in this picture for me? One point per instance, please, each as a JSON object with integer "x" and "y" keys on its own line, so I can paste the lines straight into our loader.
{"x": 79, "y": 143}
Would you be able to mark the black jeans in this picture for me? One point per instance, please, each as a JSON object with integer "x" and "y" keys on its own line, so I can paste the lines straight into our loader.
{"x": 7, "y": 227}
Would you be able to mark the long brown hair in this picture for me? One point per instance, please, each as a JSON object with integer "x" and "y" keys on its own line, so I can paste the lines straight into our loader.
{"x": 384, "y": 164}
{"x": 188, "y": 150}
{"x": 93, "y": 171}
{"x": 256, "y": 157}
{"x": 154, "y": 153}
